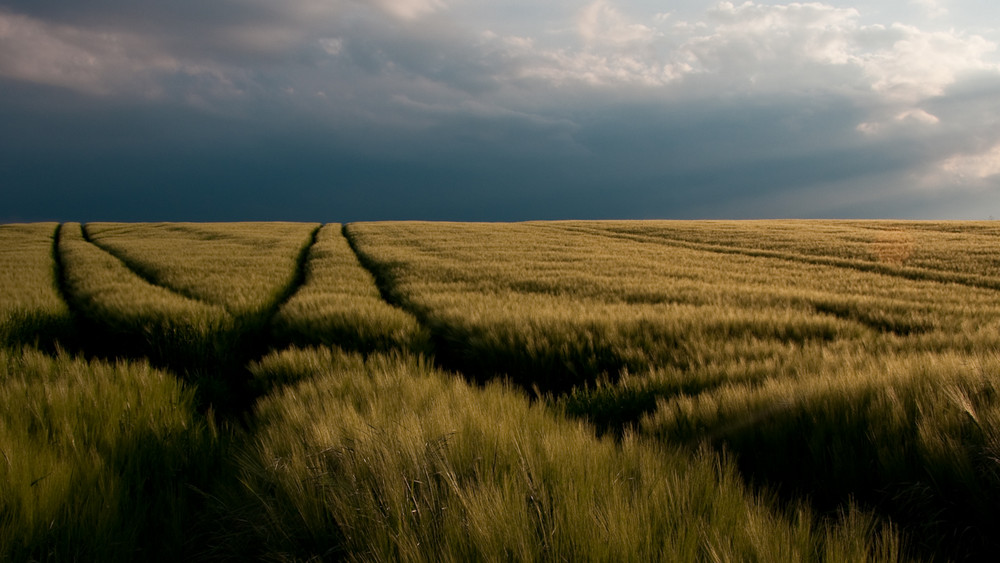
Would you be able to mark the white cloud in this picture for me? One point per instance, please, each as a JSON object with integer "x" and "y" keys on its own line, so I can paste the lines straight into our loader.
{"x": 568, "y": 67}
{"x": 33, "y": 51}
{"x": 777, "y": 46}
{"x": 602, "y": 23}
{"x": 899, "y": 62}
{"x": 100, "y": 62}
{"x": 976, "y": 166}
{"x": 907, "y": 119}
{"x": 918, "y": 116}
{"x": 921, "y": 64}
{"x": 751, "y": 48}
{"x": 795, "y": 47}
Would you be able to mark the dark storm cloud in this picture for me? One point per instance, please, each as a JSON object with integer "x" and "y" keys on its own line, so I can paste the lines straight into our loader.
{"x": 632, "y": 163}
{"x": 344, "y": 109}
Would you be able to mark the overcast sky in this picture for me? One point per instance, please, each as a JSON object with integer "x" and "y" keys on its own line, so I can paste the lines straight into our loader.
{"x": 343, "y": 110}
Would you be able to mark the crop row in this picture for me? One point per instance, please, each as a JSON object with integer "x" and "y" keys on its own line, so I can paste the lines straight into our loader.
{"x": 339, "y": 304}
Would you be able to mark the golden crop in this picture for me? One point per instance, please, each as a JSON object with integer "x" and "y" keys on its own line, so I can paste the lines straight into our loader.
{"x": 717, "y": 390}
{"x": 340, "y": 304}
{"x": 243, "y": 267}
{"x": 30, "y": 304}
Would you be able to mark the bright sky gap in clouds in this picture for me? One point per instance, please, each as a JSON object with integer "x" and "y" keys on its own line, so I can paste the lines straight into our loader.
{"x": 342, "y": 110}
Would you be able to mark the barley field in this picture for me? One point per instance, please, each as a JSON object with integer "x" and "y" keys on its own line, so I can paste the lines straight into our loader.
{"x": 539, "y": 391}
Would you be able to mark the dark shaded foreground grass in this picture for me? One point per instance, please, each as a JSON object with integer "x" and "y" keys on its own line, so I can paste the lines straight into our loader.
{"x": 916, "y": 437}
{"x": 100, "y": 461}
{"x": 387, "y": 458}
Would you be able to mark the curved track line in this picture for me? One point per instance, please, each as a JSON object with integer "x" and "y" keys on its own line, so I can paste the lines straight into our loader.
{"x": 298, "y": 277}
{"x": 913, "y": 274}
{"x": 143, "y": 273}
{"x": 385, "y": 288}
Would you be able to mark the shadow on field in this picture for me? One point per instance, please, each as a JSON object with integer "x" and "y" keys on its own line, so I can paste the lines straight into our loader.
{"x": 907, "y": 450}
{"x": 46, "y": 332}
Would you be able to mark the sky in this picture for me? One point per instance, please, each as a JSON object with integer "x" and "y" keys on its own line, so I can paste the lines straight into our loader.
{"x": 348, "y": 110}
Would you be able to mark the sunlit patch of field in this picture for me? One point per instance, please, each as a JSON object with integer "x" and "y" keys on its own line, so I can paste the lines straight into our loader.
{"x": 962, "y": 252}
{"x": 556, "y": 308}
{"x": 339, "y": 304}
{"x": 243, "y": 267}
{"x": 920, "y": 244}
{"x": 771, "y": 391}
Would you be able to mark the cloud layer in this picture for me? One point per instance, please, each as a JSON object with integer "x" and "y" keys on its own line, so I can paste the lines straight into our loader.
{"x": 465, "y": 109}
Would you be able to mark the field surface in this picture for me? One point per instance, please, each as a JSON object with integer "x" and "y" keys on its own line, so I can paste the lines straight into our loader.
{"x": 606, "y": 391}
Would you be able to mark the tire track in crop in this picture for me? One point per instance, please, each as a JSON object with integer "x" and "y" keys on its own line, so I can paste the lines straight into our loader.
{"x": 69, "y": 338}
{"x": 138, "y": 269}
{"x": 59, "y": 269}
{"x": 444, "y": 348}
{"x": 610, "y": 409}
{"x": 90, "y": 335}
{"x": 223, "y": 378}
{"x": 298, "y": 277}
{"x": 385, "y": 287}
{"x": 910, "y": 273}
{"x": 456, "y": 349}
{"x": 253, "y": 340}
{"x": 102, "y": 332}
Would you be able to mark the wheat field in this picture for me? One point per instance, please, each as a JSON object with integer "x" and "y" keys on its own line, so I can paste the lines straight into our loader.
{"x": 580, "y": 390}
